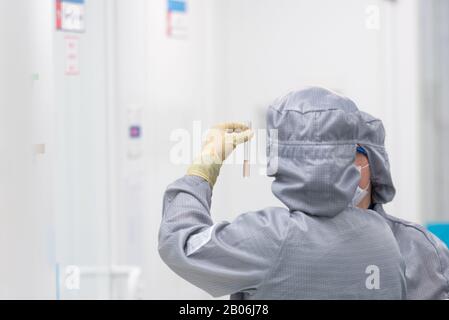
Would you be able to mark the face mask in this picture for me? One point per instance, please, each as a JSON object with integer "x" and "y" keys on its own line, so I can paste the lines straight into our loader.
{"x": 360, "y": 193}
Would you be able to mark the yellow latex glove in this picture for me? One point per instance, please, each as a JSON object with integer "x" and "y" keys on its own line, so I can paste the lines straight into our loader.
{"x": 221, "y": 140}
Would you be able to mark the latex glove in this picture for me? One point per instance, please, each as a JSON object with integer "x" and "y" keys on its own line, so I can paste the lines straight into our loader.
{"x": 221, "y": 140}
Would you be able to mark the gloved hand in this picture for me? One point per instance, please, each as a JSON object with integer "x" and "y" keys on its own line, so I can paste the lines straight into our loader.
{"x": 221, "y": 140}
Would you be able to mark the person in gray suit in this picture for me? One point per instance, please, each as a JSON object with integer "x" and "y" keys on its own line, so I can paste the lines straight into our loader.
{"x": 332, "y": 240}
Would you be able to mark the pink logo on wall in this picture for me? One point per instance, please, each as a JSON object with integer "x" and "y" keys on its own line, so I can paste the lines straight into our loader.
{"x": 72, "y": 55}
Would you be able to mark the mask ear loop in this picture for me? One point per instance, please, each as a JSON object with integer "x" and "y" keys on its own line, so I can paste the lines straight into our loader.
{"x": 360, "y": 168}
{"x": 365, "y": 166}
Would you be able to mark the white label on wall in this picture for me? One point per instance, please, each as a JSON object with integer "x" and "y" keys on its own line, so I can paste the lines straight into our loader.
{"x": 70, "y": 15}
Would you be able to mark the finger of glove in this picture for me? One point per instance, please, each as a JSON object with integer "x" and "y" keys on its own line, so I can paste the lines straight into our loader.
{"x": 231, "y": 125}
{"x": 243, "y": 136}
{"x": 239, "y": 137}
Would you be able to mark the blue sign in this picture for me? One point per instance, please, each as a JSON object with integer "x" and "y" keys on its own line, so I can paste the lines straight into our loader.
{"x": 441, "y": 230}
{"x": 177, "y": 6}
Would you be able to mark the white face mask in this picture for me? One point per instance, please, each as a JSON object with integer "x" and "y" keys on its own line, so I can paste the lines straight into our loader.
{"x": 360, "y": 193}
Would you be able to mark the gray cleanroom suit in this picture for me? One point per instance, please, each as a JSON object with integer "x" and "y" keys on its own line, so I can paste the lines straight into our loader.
{"x": 319, "y": 246}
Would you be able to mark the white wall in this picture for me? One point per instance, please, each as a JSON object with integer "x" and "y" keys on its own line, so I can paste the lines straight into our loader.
{"x": 53, "y": 205}
{"x": 26, "y": 106}
{"x": 434, "y": 115}
{"x": 80, "y": 154}
{"x": 182, "y": 85}
{"x": 401, "y": 106}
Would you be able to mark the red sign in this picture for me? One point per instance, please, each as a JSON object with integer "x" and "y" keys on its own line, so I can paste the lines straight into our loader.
{"x": 58, "y": 15}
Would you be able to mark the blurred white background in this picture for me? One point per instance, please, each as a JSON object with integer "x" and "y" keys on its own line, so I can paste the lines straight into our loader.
{"x": 80, "y": 200}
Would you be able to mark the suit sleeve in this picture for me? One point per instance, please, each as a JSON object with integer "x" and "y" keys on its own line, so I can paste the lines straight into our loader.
{"x": 443, "y": 254}
{"x": 427, "y": 262}
{"x": 221, "y": 258}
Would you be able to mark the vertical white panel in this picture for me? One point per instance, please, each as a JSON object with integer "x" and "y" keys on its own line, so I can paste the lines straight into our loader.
{"x": 400, "y": 107}
{"x": 80, "y": 193}
{"x": 127, "y": 174}
{"x": 181, "y": 87}
{"x": 434, "y": 113}
{"x": 26, "y": 120}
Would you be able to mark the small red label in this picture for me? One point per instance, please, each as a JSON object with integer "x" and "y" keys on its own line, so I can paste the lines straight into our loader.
{"x": 58, "y": 15}
{"x": 169, "y": 27}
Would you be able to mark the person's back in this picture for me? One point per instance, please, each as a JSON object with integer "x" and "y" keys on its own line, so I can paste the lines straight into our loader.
{"x": 350, "y": 256}
{"x": 321, "y": 246}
